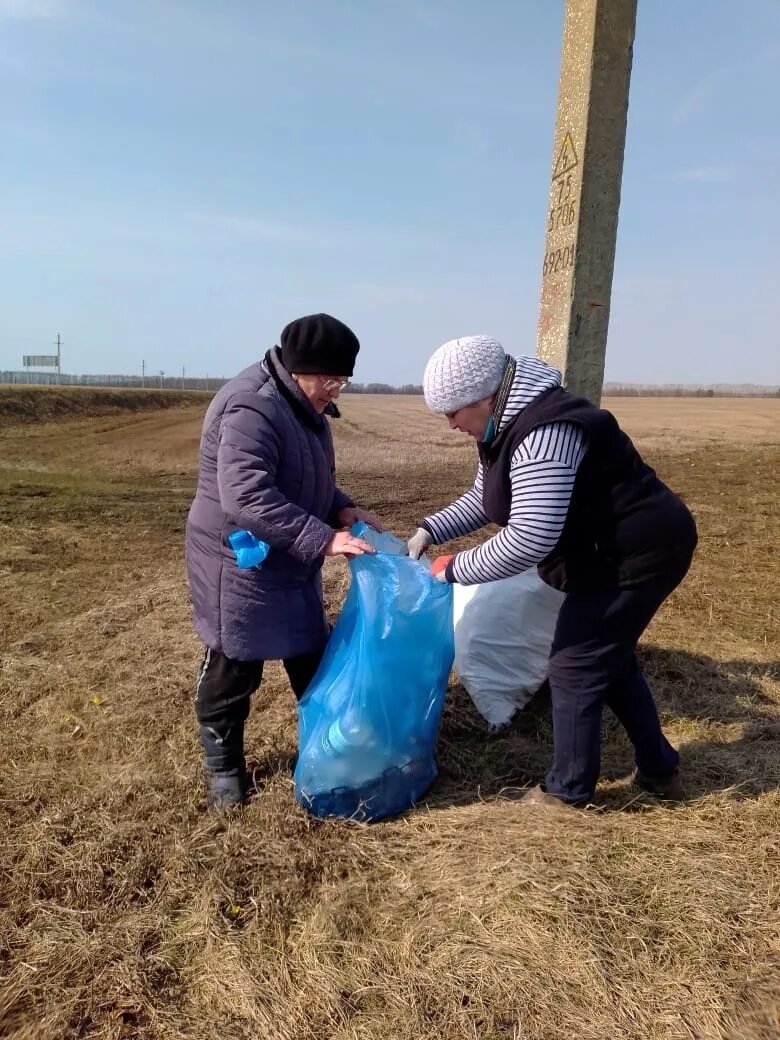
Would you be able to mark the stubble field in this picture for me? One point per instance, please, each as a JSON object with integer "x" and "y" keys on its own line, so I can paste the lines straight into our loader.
{"x": 127, "y": 910}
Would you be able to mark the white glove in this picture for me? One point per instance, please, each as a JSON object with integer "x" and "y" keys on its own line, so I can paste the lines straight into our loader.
{"x": 419, "y": 542}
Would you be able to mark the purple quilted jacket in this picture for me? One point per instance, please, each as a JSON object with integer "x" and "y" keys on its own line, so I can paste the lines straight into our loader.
{"x": 267, "y": 466}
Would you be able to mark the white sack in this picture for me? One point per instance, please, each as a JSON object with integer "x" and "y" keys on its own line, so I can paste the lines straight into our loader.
{"x": 503, "y": 633}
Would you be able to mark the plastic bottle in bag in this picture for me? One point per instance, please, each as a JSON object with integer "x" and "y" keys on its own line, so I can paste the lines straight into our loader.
{"x": 350, "y": 747}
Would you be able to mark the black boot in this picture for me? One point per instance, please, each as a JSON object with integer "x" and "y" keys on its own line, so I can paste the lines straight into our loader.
{"x": 225, "y": 767}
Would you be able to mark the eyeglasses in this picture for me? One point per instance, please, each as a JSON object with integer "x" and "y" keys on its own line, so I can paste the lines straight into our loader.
{"x": 334, "y": 384}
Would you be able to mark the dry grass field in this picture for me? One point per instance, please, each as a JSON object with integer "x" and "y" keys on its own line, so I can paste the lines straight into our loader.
{"x": 128, "y": 911}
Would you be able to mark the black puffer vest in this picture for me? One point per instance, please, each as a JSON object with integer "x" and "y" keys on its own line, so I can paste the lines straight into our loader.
{"x": 624, "y": 525}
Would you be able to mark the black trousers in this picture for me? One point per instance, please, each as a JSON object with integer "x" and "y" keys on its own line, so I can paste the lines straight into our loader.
{"x": 224, "y": 686}
{"x": 592, "y": 663}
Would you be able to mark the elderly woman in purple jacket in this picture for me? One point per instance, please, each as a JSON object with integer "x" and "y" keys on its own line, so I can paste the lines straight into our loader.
{"x": 267, "y": 466}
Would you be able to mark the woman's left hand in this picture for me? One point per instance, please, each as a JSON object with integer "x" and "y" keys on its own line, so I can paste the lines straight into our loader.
{"x": 439, "y": 567}
{"x": 350, "y": 515}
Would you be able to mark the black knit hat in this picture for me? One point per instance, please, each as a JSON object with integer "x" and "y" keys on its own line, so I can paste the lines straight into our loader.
{"x": 321, "y": 344}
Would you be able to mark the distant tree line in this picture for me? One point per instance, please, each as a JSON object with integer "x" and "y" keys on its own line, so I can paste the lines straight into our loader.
{"x": 640, "y": 390}
{"x": 382, "y": 388}
{"x": 163, "y": 382}
{"x": 211, "y": 384}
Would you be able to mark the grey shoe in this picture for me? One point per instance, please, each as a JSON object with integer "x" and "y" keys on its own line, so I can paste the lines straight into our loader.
{"x": 226, "y": 790}
{"x": 225, "y": 768}
{"x": 667, "y": 788}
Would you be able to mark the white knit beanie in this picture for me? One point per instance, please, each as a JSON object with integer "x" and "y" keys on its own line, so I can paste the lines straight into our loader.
{"x": 463, "y": 371}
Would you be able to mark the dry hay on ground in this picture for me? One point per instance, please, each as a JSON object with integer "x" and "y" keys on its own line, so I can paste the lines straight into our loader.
{"x": 127, "y": 911}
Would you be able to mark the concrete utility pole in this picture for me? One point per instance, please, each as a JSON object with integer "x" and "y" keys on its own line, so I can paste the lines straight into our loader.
{"x": 582, "y": 217}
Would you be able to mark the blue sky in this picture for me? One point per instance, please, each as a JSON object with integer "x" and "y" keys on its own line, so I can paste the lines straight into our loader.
{"x": 179, "y": 178}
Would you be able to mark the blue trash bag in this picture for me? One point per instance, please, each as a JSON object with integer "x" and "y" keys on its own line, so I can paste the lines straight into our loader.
{"x": 367, "y": 725}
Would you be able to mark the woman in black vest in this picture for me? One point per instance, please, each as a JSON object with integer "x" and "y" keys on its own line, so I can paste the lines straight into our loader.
{"x": 574, "y": 499}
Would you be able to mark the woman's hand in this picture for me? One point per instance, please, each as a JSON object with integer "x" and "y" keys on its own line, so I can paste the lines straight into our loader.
{"x": 439, "y": 567}
{"x": 419, "y": 543}
{"x": 350, "y": 515}
{"x": 344, "y": 544}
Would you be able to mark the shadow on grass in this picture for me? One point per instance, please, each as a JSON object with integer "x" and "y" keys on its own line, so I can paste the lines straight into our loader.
{"x": 717, "y": 712}
{"x": 726, "y": 725}
{"x": 261, "y": 771}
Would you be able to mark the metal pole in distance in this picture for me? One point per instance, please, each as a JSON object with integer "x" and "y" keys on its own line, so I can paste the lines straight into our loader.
{"x": 587, "y": 169}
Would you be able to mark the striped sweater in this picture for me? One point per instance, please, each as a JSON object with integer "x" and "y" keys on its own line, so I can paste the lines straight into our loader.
{"x": 542, "y": 474}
